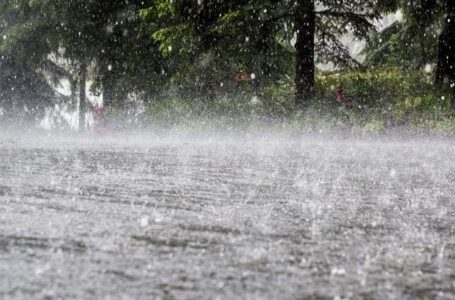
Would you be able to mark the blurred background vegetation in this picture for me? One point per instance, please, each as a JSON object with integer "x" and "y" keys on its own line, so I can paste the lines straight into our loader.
{"x": 223, "y": 64}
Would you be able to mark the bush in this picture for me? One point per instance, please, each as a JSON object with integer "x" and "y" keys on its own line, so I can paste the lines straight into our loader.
{"x": 390, "y": 95}
{"x": 382, "y": 97}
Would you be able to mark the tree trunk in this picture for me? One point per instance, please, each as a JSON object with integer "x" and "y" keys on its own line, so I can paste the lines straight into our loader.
{"x": 73, "y": 87}
{"x": 82, "y": 95}
{"x": 108, "y": 90}
{"x": 445, "y": 72}
{"x": 305, "y": 21}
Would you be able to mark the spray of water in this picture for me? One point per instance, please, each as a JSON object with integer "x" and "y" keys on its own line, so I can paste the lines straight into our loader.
{"x": 257, "y": 215}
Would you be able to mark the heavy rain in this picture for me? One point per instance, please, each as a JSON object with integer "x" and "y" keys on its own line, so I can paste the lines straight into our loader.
{"x": 212, "y": 149}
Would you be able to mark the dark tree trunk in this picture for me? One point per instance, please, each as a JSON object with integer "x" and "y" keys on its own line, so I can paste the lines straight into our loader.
{"x": 73, "y": 87}
{"x": 264, "y": 48}
{"x": 445, "y": 72}
{"x": 82, "y": 95}
{"x": 305, "y": 21}
{"x": 108, "y": 90}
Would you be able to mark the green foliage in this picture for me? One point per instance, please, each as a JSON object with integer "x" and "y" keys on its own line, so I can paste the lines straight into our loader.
{"x": 391, "y": 95}
{"x": 384, "y": 98}
{"x": 196, "y": 49}
{"x": 402, "y": 45}
{"x": 209, "y": 42}
{"x": 411, "y": 43}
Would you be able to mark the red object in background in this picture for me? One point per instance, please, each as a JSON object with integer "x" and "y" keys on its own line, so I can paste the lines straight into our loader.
{"x": 98, "y": 112}
{"x": 340, "y": 98}
{"x": 100, "y": 120}
{"x": 243, "y": 77}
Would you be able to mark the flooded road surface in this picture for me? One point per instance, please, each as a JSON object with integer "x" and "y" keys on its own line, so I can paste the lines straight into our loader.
{"x": 239, "y": 219}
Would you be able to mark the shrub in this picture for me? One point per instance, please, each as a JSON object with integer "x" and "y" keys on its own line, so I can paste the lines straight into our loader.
{"x": 381, "y": 98}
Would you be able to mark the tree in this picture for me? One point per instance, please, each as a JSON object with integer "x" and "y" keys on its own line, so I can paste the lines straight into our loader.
{"x": 32, "y": 31}
{"x": 127, "y": 59}
{"x": 24, "y": 93}
{"x": 445, "y": 72}
{"x": 252, "y": 31}
{"x": 101, "y": 39}
{"x": 425, "y": 36}
{"x": 332, "y": 20}
{"x": 305, "y": 20}
{"x": 410, "y": 43}
{"x": 23, "y": 57}
{"x": 109, "y": 38}
{"x": 199, "y": 39}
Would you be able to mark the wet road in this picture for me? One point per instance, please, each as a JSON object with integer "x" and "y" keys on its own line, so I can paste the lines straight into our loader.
{"x": 239, "y": 219}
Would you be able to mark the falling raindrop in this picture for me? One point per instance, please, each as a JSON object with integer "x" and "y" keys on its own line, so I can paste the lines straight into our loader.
{"x": 144, "y": 221}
